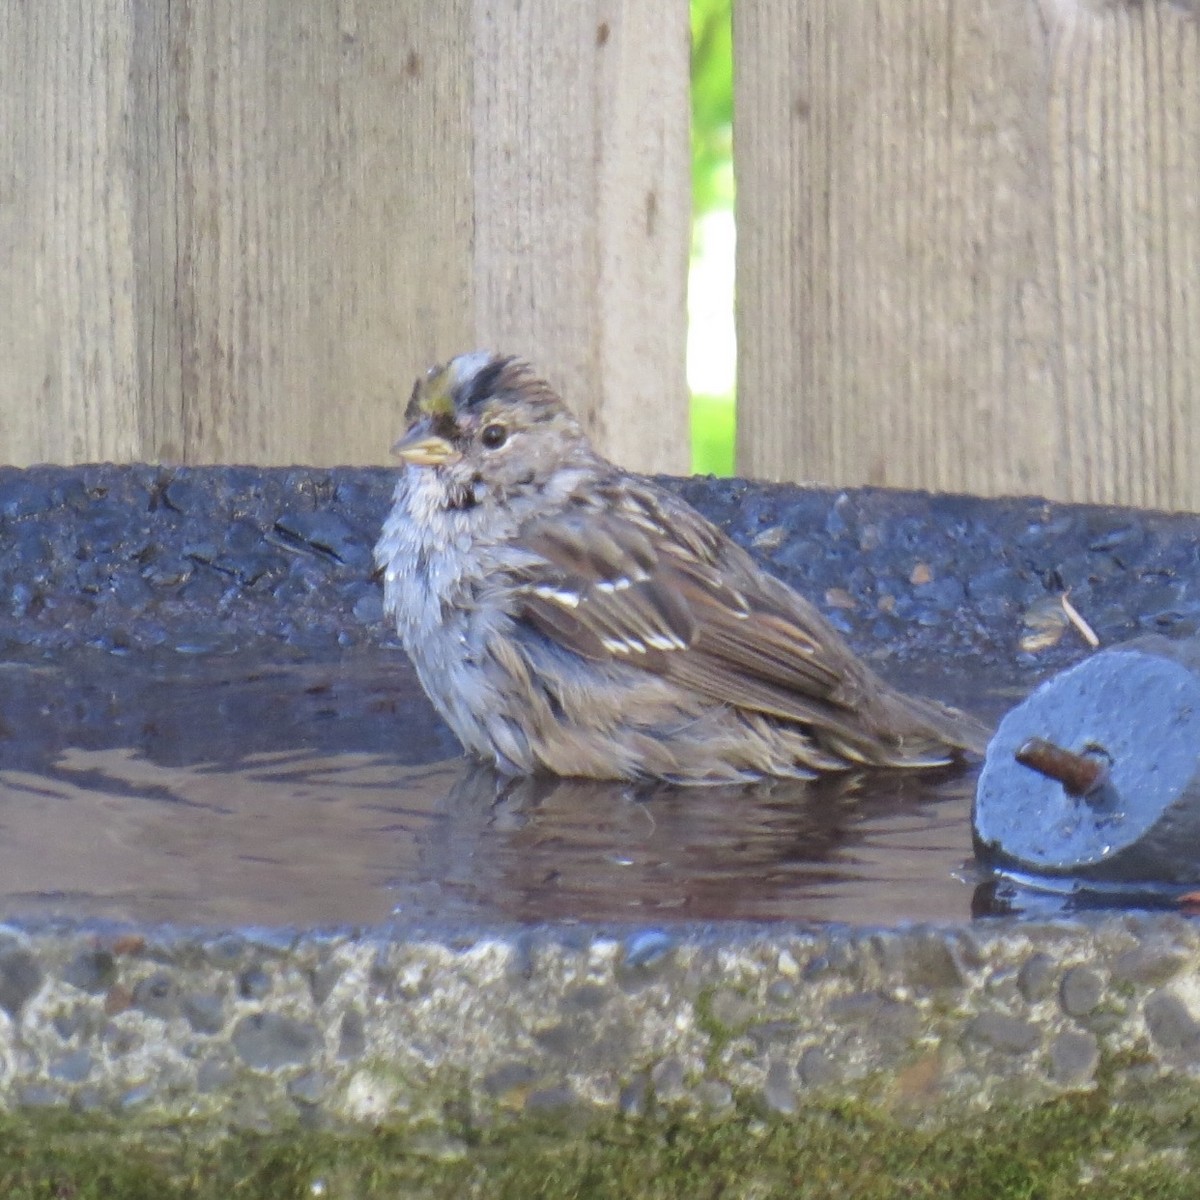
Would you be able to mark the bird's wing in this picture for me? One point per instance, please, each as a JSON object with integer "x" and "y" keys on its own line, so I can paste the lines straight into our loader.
{"x": 649, "y": 582}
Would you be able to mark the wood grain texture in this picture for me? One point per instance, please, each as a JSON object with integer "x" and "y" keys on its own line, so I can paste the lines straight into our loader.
{"x": 1125, "y": 136}
{"x": 966, "y": 249}
{"x": 235, "y": 230}
{"x": 583, "y": 211}
{"x": 324, "y": 250}
{"x": 68, "y": 365}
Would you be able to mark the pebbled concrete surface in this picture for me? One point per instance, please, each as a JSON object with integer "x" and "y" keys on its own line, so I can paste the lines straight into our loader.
{"x": 259, "y": 1029}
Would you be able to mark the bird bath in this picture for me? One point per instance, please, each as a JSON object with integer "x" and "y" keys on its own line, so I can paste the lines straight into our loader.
{"x": 246, "y": 878}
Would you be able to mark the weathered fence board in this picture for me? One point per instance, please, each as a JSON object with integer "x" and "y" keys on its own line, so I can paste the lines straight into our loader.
{"x": 969, "y": 245}
{"x": 234, "y": 230}
{"x": 583, "y": 211}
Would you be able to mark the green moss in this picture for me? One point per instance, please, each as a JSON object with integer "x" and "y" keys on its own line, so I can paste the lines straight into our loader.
{"x": 1075, "y": 1144}
{"x": 708, "y": 1023}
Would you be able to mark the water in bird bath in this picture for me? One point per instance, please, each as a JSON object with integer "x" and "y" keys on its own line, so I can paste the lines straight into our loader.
{"x": 218, "y": 790}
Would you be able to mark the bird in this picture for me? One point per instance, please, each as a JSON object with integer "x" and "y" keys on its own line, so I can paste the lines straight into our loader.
{"x": 567, "y": 617}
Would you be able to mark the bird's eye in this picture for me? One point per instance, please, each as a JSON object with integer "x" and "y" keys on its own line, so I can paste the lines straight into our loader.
{"x": 493, "y": 436}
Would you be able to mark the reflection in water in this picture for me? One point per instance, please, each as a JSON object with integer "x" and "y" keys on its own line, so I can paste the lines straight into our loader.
{"x": 1001, "y": 893}
{"x": 870, "y": 849}
{"x": 216, "y": 792}
{"x": 294, "y": 838}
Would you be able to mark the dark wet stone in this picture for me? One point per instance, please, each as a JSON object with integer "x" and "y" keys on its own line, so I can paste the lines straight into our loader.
{"x": 73, "y": 1067}
{"x": 1177, "y": 620}
{"x": 169, "y": 571}
{"x": 213, "y": 1075}
{"x": 20, "y": 598}
{"x": 781, "y": 991}
{"x": 1170, "y": 1023}
{"x": 1080, "y": 991}
{"x": 878, "y": 1014}
{"x": 186, "y": 495}
{"x": 1147, "y": 964}
{"x": 927, "y": 961}
{"x": 1074, "y": 1056}
{"x": 352, "y": 1037}
{"x": 550, "y": 1100}
{"x": 509, "y": 1078}
{"x": 768, "y": 1033}
{"x": 558, "y": 1039}
{"x": 1035, "y": 979}
{"x": 142, "y": 1094}
{"x": 818, "y": 967}
{"x": 796, "y": 554}
{"x": 268, "y": 1041}
{"x": 251, "y": 567}
{"x": 242, "y": 536}
{"x": 20, "y": 979}
{"x": 309, "y": 1088}
{"x": 91, "y": 971}
{"x": 204, "y": 1012}
{"x": 253, "y": 983}
{"x": 940, "y": 595}
{"x": 1002, "y": 1032}
{"x": 779, "y": 1090}
{"x": 323, "y": 979}
{"x": 21, "y": 496}
{"x": 840, "y": 960}
{"x": 382, "y": 978}
{"x": 645, "y": 948}
{"x": 205, "y": 552}
{"x": 667, "y": 1080}
{"x": 1123, "y": 539}
{"x": 587, "y": 997}
{"x": 816, "y": 1069}
{"x": 38, "y": 1095}
{"x": 632, "y": 1100}
{"x": 325, "y": 533}
{"x": 1001, "y": 987}
{"x": 614, "y": 1043}
{"x": 226, "y": 951}
{"x": 841, "y": 519}
{"x": 731, "y": 1010}
{"x": 90, "y": 1098}
{"x": 715, "y": 1095}
{"x": 157, "y": 996}
{"x": 68, "y": 1024}
{"x": 129, "y": 592}
{"x": 368, "y": 608}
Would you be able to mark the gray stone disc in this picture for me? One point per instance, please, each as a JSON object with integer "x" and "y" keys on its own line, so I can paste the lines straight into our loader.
{"x": 1140, "y": 705}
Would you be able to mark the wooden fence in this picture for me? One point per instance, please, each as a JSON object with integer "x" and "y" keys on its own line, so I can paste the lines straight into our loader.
{"x": 968, "y": 255}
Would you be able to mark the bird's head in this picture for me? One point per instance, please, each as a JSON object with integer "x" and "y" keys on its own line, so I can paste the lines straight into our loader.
{"x": 484, "y": 427}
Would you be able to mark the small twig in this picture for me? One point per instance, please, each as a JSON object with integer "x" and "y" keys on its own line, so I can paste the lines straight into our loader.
{"x": 1073, "y": 615}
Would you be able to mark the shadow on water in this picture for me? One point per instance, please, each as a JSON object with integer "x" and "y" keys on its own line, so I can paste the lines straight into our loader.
{"x": 222, "y": 790}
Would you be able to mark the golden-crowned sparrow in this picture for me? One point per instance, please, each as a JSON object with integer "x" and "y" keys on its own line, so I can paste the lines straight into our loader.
{"x": 568, "y": 617}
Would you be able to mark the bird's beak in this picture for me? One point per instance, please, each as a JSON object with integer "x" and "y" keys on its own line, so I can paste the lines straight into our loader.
{"x": 424, "y": 448}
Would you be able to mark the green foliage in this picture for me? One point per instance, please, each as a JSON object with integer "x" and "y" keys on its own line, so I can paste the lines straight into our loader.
{"x": 712, "y": 105}
{"x": 714, "y": 433}
{"x": 713, "y": 417}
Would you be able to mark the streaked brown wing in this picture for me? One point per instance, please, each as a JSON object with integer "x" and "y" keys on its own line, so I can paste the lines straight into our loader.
{"x": 657, "y": 586}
